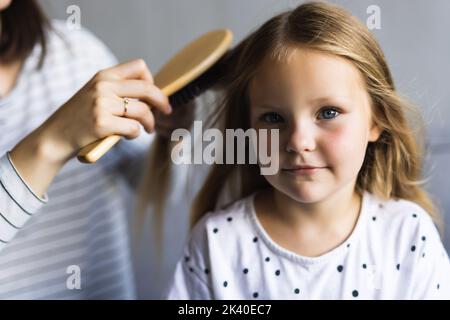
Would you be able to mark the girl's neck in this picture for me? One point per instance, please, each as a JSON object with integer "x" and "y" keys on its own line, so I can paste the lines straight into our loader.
{"x": 309, "y": 229}
{"x": 325, "y": 213}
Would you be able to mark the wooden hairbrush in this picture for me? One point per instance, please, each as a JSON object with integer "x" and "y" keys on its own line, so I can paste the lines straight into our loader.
{"x": 185, "y": 76}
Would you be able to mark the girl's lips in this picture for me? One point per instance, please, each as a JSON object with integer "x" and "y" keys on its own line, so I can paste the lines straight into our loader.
{"x": 303, "y": 170}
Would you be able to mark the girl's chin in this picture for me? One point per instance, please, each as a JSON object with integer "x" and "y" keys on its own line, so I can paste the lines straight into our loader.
{"x": 306, "y": 199}
{"x": 305, "y": 196}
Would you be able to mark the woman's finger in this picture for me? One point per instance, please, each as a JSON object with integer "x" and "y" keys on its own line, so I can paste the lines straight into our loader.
{"x": 135, "y": 109}
{"x": 134, "y": 69}
{"x": 125, "y": 127}
{"x": 142, "y": 90}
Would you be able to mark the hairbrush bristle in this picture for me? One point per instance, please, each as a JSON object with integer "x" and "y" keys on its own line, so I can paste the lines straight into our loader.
{"x": 199, "y": 85}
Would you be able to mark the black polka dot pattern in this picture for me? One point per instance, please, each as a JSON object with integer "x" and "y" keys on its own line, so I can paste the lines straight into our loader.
{"x": 416, "y": 246}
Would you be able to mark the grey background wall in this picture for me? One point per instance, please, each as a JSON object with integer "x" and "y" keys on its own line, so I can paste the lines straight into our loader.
{"x": 414, "y": 35}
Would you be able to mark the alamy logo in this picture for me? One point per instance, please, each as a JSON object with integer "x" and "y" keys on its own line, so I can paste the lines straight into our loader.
{"x": 73, "y": 282}
{"x": 374, "y": 20}
{"x": 250, "y": 144}
{"x": 73, "y": 21}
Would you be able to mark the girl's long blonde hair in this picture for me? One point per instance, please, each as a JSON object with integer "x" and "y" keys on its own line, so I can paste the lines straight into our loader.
{"x": 393, "y": 164}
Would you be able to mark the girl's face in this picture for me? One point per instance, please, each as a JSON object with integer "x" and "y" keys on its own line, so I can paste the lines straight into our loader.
{"x": 322, "y": 110}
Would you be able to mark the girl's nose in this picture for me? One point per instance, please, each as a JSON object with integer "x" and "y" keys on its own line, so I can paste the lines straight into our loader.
{"x": 301, "y": 139}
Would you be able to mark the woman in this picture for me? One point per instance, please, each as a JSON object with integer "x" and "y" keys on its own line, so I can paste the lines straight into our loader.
{"x": 63, "y": 231}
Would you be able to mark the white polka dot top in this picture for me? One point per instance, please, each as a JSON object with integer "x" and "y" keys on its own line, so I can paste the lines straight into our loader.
{"x": 394, "y": 252}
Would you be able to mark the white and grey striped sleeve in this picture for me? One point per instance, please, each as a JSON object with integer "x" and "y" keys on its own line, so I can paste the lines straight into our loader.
{"x": 17, "y": 201}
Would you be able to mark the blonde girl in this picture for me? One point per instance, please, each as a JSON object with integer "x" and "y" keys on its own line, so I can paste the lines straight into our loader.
{"x": 346, "y": 216}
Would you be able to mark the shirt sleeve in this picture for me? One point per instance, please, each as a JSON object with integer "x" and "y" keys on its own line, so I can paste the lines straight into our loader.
{"x": 17, "y": 201}
{"x": 188, "y": 284}
{"x": 431, "y": 275}
{"x": 192, "y": 279}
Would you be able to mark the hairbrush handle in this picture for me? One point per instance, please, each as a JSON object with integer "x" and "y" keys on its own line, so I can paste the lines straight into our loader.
{"x": 94, "y": 151}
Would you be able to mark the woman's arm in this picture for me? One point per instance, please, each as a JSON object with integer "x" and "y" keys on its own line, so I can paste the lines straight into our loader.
{"x": 96, "y": 111}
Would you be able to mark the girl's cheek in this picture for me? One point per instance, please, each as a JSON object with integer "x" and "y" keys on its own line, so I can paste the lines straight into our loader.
{"x": 344, "y": 143}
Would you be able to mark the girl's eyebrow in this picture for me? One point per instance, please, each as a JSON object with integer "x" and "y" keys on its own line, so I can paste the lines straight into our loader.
{"x": 335, "y": 98}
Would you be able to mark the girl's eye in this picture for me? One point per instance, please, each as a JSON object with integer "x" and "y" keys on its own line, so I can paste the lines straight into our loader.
{"x": 272, "y": 117}
{"x": 328, "y": 114}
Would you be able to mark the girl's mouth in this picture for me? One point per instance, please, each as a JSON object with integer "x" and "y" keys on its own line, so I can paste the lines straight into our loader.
{"x": 303, "y": 170}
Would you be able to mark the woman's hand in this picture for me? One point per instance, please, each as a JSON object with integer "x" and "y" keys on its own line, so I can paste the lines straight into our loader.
{"x": 98, "y": 111}
{"x": 94, "y": 112}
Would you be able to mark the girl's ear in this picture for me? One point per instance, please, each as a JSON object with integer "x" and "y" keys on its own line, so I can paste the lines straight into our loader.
{"x": 374, "y": 133}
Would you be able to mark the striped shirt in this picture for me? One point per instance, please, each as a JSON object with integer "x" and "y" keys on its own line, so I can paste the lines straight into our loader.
{"x": 72, "y": 243}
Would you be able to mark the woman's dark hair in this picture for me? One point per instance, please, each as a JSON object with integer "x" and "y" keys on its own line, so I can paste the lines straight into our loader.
{"x": 23, "y": 24}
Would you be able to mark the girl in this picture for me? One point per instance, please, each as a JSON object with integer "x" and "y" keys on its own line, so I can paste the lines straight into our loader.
{"x": 345, "y": 217}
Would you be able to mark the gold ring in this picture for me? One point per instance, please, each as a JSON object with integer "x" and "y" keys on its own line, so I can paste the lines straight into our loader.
{"x": 125, "y": 106}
